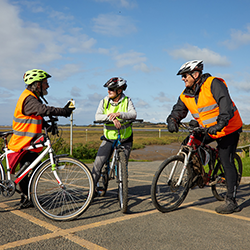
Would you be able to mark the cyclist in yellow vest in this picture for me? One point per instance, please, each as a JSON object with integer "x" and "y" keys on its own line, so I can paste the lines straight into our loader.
{"x": 209, "y": 102}
{"x": 115, "y": 107}
{"x": 28, "y": 120}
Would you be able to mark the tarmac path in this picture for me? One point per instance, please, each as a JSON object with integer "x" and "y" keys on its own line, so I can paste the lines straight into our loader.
{"x": 195, "y": 225}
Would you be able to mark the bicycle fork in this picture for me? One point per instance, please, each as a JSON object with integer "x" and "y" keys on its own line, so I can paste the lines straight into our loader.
{"x": 186, "y": 160}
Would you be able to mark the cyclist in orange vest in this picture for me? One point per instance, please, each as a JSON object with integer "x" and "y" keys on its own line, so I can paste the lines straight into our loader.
{"x": 28, "y": 120}
{"x": 209, "y": 102}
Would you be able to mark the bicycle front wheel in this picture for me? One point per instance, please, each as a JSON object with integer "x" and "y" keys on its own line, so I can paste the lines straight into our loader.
{"x": 66, "y": 201}
{"x": 166, "y": 195}
{"x": 122, "y": 181}
{"x": 219, "y": 188}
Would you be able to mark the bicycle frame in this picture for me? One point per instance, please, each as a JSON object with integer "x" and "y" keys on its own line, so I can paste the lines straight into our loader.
{"x": 193, "y": 145}
{"x": 112, "y": 168}
{"x": 48, "y": 150}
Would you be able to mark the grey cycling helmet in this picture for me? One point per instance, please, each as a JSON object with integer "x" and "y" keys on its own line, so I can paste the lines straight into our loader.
{"x": 190, "y": 66}
{"x": 116, "y": 83}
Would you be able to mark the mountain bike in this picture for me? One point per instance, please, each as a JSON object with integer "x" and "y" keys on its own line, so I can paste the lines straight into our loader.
{"x": 116, "y": 168}
{"x": 60, "y": 187}
{"x": 181, "y": 172}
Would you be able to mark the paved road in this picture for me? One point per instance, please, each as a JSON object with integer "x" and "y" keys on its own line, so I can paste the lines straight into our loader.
{"x": 194, "y": 225}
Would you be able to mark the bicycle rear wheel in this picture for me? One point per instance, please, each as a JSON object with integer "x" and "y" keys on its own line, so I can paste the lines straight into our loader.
{"x": 64, "y": 202}
{"x": 122, "y": 181}
{"x": 219, "y": 189}
{"x": 165, "y": 195}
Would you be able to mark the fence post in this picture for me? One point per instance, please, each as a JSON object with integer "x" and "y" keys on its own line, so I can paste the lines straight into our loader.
{"x": 71, "y": 133}
{"x": 71, "y": 127}
{"x": 159, "y": 133}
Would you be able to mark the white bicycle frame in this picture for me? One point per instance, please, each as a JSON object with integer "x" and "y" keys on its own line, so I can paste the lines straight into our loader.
{"x": 186, "y": 159}
{"x": 47, "y": 150}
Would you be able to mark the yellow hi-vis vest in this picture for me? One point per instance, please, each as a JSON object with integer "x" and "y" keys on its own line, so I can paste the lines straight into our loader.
{"x": 25, "y": 128}
{"x": 206, "y": 111}
{"x": 110, "y": 131}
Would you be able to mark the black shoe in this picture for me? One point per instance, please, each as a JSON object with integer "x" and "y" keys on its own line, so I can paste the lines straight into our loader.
{"x": 96, "y": 194}
{"x": 25, "y": 202}
{"x": 230, "y": 206}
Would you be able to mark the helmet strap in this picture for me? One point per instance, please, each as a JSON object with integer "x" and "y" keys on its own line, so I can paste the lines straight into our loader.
{"x": 41, "y": 93}
{"x": 117, "y": 95}
{"x": 195, "y": 79}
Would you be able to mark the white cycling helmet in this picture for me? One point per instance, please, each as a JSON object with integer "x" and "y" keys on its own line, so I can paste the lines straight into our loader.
{"x": 191, "y": 66}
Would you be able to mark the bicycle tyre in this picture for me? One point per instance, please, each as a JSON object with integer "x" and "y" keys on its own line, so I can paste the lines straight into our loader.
{"x": 165, "y": 195}
{"x": 122, "y": 181}
{"x": 62, "y": 203}
{"x": 219, "y": 189}
{"x": 103, "y": 182}
{"x": 2, "y": 176}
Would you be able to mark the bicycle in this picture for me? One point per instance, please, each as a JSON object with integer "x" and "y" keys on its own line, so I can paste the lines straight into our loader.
{"x": 181, "y": 172}
{"x": 60, "y": 187}
{"x": 116, "y": 168}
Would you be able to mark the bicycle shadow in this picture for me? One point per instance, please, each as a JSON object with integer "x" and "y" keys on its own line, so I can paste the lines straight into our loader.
{"x": 109, "y": 204}
{"x": 242, "y": 198}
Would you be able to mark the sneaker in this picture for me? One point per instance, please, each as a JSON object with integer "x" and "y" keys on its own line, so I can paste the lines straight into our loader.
{"x": 228, "y": 207}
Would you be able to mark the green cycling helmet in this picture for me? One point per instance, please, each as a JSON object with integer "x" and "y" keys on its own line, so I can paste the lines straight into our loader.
{"x": 35, "y": 75}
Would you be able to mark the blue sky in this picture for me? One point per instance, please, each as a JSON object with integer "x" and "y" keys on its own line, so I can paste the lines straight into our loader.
{"x": 84, "y": 43}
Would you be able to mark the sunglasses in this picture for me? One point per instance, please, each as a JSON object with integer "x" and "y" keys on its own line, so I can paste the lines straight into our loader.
{"x": 184, "y": 76}
{"x": 110, "y": 89}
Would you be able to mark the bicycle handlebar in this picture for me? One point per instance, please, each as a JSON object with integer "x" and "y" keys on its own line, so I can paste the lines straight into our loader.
{"x": 131, "y": 120}
{"x": 191, "y": 129}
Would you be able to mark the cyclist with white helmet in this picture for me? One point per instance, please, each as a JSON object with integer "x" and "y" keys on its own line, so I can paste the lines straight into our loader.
{"x": 208, "y": 100}
{"x": 28, "y": 120}
{"x": 115, "y": 107}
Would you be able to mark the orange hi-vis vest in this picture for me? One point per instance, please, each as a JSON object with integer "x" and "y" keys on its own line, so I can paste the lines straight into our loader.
{"x": 25, "y": 128}
{"x": 206, "y": 110}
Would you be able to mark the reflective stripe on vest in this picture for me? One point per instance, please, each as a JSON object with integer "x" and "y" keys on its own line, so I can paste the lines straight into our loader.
{"x": 206, "y": 110}
{"x": 25, "y": 128}
{"x": 110, "y": 131}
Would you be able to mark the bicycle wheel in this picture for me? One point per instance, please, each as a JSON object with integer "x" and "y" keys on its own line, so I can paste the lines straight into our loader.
{"x": 165, "y": 195}
{"x": 2, "y": 176}
{"x": 102, "y": 184}
{"x": 219, "y": 189}
{"x": 69, "y": 200}
{"x": 122, "y": 181}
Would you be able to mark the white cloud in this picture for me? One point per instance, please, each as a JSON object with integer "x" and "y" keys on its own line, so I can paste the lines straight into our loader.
{"x": 162, "y": 97}
{"x": 130, "y": 58}
{"x": 75, "y": 91}
{"x": 122, "y": 3}
{"x": 238, "y": 38}
{"x": 113, "y": 25}
{"x": 190, "y": 52}
{"x": 141, "y": 104}
{"x": 27, "y": 45}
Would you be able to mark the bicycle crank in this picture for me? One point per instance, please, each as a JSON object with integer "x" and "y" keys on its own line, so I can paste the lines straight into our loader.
{"x": 8, "y": 188}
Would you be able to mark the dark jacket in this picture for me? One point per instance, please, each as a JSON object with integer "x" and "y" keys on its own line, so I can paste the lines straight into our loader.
{"x": 220, "y": 94}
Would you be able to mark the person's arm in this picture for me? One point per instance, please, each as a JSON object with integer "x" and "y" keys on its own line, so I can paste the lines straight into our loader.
{"x": 131, "y": 114}
{"x": 220, "y": 93}
{"x": 99, "y": 115}
{"x": 179, "y": 111}
{"x": 32, "y": 106}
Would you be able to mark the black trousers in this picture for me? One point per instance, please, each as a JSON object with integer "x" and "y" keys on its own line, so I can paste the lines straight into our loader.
{"x": 28, "y": 157}
{"x": 227, "y": 148}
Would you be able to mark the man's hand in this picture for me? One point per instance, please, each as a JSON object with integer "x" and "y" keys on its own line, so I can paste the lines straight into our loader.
{"x": 217, "y": 127}
{"x": 68, "y": 109}
{"x": 172, "y": 125}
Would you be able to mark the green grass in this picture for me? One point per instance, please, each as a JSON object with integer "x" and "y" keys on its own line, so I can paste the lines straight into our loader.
{"x": 246, "y": 166}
